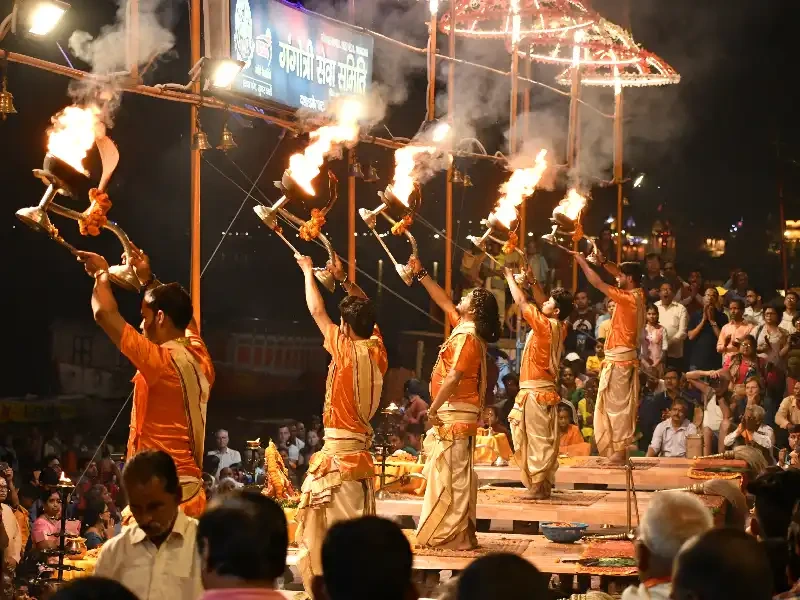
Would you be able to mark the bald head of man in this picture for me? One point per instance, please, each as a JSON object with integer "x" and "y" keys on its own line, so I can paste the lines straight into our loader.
{"x": 722, "y": 564}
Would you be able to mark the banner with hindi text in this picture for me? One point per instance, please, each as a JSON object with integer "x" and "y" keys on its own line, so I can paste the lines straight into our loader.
{"x": 296, "y": 58}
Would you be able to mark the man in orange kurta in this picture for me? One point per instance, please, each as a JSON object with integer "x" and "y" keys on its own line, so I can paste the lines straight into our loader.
{"x": 174, "y": 372}
{"x": 339, "y": 483}
{"x": 533, "y": 420}
{"x": 618, "y": 392}
{"x": 458, "y": 384}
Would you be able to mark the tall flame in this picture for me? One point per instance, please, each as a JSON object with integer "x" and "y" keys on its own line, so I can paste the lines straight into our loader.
{"x": 572, "y": 205}
{"x": 519, "y": 186}
{"x": 405, "y": 159}
{"x": 305, "y": 166}
{"x": 73, "y": 133}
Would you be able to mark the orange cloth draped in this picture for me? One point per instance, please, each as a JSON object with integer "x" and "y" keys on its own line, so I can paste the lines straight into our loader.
{"x": 542, "y": 354}
{"x": 338, "y": 485}
{"x": 628, "y": 318}
{"x": 571, "y": 437}
{"x": 464, "y": 353}
{"x": 341, "y": 411}
{"x": 158, "y": 418}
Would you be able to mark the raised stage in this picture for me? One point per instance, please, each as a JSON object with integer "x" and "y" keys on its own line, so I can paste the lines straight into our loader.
{"x": 596, "y": 507}
{"x": 648, "y": 473}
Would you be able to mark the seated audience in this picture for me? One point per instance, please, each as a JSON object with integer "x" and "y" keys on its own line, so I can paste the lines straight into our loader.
{"x": 714, "y": 394}
{"x": 586, "y": 409}
{"x": 417, "y": 399}
{"x": 48, "y": 523}
{"x": 501, "y": 575}
{"x": 364, "y": 555}
{"x": 722, "y": 564}
{"x": 751, "y": 430}
{"x": 96, "y": 525}
{"x": 570, "y": 440}
{"x": 414, "y": 433}
{"x": 669, "y": 437}
{"x": 242, "y": 541}
{"x": 788, "y": 413}
{"x": 671, "y": 519}
{"x": 593, "y": 362}
{"x": 491, "y": 419}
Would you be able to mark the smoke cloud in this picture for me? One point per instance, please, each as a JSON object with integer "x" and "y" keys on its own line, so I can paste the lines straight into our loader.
{"x": 108, "y": 52}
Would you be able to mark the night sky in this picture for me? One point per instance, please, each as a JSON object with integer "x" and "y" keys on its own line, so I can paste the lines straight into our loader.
{"x": 709, "y": 147}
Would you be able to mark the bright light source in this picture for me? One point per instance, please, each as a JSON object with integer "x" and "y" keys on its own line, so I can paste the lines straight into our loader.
{"x": 638, "y": 181}
{"x": 434, "y": 6}
{"x": 223, "y": 72}
{"x": 45, "y": 15}
{"x": 441, "y": 132}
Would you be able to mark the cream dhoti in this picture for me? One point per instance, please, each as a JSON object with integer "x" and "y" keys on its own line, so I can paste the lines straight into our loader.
{"x": 617, "y": 401}
{"x": 338, "y": 487}
{"x": 448, "y": 515}
{"x": 534, "y": 428}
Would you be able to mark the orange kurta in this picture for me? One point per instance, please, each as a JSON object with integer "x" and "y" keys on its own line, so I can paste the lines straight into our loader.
{"x": 341, "y": 410}
{"x": 626, "y": 322}
{"x": 158, "y": 418}
{"x": 461, "y": 352}
{"x": 537, "y": 363}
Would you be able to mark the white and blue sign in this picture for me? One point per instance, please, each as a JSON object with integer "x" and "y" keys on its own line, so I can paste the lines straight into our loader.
{"x": 296, "y": 58}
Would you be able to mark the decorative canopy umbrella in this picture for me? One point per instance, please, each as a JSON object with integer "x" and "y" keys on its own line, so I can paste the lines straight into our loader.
{"x": 494, "y": 19}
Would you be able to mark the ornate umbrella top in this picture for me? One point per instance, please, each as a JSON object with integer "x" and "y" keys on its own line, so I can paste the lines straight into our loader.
{"x": 562, "y": 32}
{"x": 493, "y": 19}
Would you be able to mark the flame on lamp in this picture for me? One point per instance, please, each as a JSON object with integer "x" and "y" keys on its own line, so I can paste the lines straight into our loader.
{"x": 64, "y": 479}
{"x": 405, "y": 160}
{"x": 434, "y": 6}
{"x": 572, "y": 205}
{"x": 305, "y": 166}
{"x": 73, "y": 133}
{"x": 519, "y": 186}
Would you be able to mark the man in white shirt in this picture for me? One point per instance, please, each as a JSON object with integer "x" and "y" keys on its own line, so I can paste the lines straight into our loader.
{"x": 156, "y": 556}
{"x": 227, "y": 457}
{"x": 752, "y": 430}
{"x": 675, "y": 319}
{"x": 671, "y": 519}
{"x": 789, "y": 312}
{"x": 754, "y": 312}
{"x": 669, "y": 438}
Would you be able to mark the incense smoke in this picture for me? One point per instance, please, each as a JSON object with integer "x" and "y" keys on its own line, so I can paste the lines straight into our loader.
{"x": 108, "y": 52}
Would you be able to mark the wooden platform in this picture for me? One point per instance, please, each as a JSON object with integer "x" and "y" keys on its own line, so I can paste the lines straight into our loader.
{"x": 669, "y": 473}
{"x": 607, "y": 507}
{"x": 547, "y": 556}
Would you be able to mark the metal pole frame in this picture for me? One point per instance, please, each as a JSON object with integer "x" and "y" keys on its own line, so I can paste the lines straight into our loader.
{"x": 351, "y": 191}
{"x": 572, "y": 145}
{"x": 448, "y": 225}
{"x": 194, "y": 187}
{"x": 618, "y": 168}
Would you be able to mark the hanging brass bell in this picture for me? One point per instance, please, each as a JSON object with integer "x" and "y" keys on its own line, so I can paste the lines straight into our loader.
{"x": 371, "y": 176}
{"x": 200, "y": 141}
{"x": 6, "y": 102}
{"x": 467, "y": 180}
{"x": 457, "y": 177}
{"x": 227, "y": 142}
{"x": 355, "y": 170}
